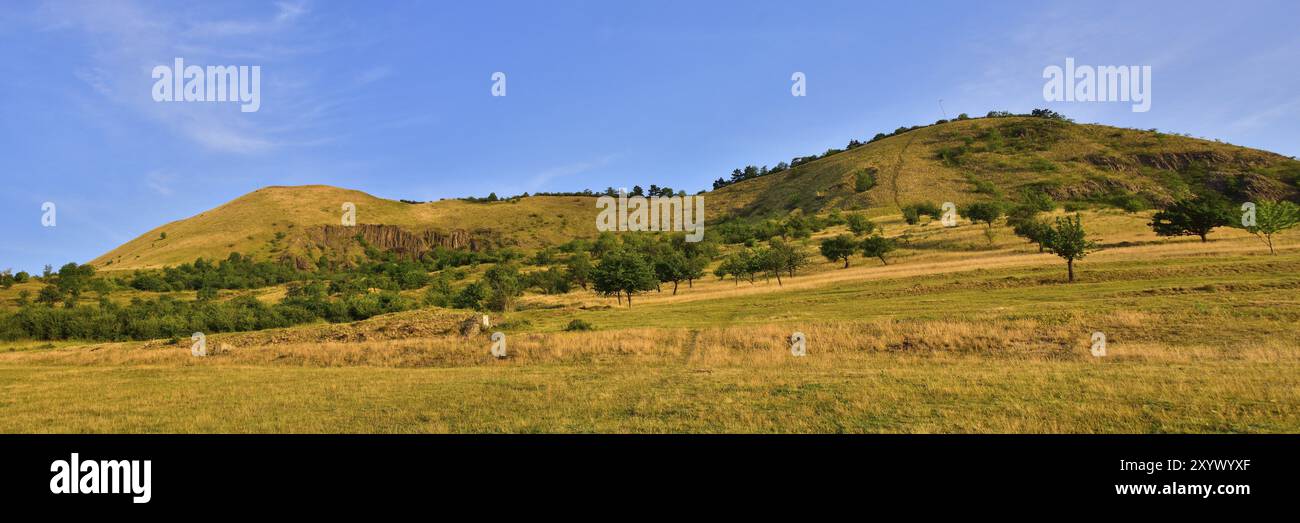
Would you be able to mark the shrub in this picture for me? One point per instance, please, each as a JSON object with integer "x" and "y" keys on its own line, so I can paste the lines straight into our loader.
{"x": 859, "y": 224}
{"x": 864, "y": 180}
{"x": 1038, "y": 201}
{"x": 913, "y": 212}
{"x": 911, "y": 215}
{"x": 1129, "y": 202}
{"x": 471, "y": 297}
{"x": 579, "y": 325}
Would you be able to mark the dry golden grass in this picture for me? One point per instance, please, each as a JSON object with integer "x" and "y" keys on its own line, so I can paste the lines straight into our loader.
{"x": 1019, "y": 375}
{"x": 1006, "y": 340}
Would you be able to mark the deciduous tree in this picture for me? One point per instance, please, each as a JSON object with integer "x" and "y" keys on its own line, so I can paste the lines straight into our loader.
{"x": 1070, "y": 241}
{"x": 839, "y": 248}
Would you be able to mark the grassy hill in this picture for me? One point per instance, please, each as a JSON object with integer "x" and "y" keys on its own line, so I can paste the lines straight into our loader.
{"x": 959, "y": 161}
{"x": 288, "y": 222}
{"x": 986, "y": 158}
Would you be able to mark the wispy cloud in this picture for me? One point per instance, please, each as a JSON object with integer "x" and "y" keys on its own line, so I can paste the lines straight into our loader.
{"x": 545, "y": 176}
{"x": 373, "y": 75}
{"x": 286, "y": 14}
{"x": 159, "y": 182}
{"x": 126, "y": 40}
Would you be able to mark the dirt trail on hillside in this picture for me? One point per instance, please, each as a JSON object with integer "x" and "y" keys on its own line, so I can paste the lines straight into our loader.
{"x": 898, "y": 168}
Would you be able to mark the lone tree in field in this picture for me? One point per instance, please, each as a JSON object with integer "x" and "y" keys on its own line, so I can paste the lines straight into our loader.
{"x": 987, "y": 212}
{"x": 1070, "y": 241}
{"x": 1272, "y": 217}
{"x": 877, "y": 247}
{"x": 1191, "y": 217}
{"x": 622, "y": 272}
{"x": 839, "y": 248}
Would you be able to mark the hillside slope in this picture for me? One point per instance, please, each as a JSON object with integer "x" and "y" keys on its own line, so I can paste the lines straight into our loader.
{"x": 988, "y": 158}
{"x": 959, "y": 161}
{"x": 299, "y": 223}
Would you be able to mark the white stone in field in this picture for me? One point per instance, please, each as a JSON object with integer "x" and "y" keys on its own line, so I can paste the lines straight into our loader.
{"x": 499, "y": 344}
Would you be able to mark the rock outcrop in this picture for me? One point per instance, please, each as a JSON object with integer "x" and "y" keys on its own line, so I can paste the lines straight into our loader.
{"x": 392, "y": 238}
{"x": 1178, "y": 161}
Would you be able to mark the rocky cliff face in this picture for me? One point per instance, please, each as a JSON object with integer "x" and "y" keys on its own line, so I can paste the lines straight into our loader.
{"x": 392, "y": 238}
{"x": 1182, "y": 160}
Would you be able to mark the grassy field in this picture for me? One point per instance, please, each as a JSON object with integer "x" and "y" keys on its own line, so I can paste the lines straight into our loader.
{"x": 952, "y": 336}
{"x": 960, "y": 332}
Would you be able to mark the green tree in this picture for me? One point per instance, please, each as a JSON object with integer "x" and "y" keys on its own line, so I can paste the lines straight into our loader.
{"x": 986, "y": 212}
{"x": 791, "y": 257}
{"x": 795, "y": 226}
{"x": 1034, "y": 230}
{"x": 49, "y": 295}
{"x": 578, "y": 269}
{"x": 734, "y": 265}
{"x": 1039, "y": 201}
{"x": 670, "y": 265}
{"x": 771, "y": 260}
{"x": 1273, "y": 217}
{"x": 839, "y": 248}
{"x": 1191, "y": 217}
{"x": 877, "y": 247}
{"x": 206, "y": 294}
{"x": 439, "y": 293}
{"x": 1070, "y": 241}
{"x": 698, "y": 255}
{"x": 505, "y": 285}
{"x": 798, "y": 259}
{"x": 859, "y": 224}
{"x": 605, "y": 242}
{"x": 913, "y": 212}
{"x": 471, "y": 297}
{"x": 73, "y": 279}
{"x": 623, "y": 272}
{"x": 695, "y": 266}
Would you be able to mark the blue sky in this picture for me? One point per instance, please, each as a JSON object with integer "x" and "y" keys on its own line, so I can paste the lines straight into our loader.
{"x": 393, "y": 98}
